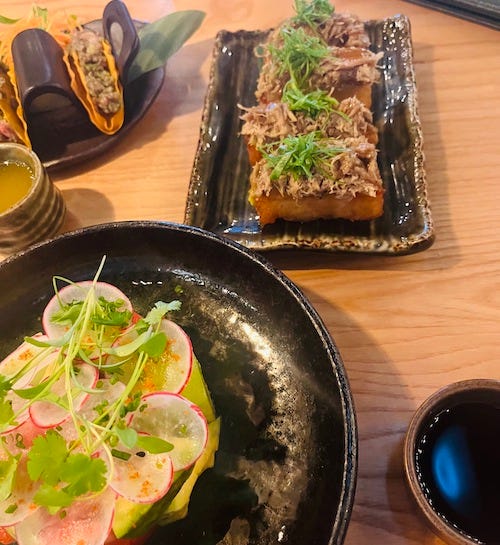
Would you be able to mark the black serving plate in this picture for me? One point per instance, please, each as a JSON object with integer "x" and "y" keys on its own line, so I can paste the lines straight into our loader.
{"x": 287, "y": 463}
{"x": 217, "y": 197}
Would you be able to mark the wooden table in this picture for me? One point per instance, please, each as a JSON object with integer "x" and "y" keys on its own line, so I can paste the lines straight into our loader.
{"x": 405, "y": 326}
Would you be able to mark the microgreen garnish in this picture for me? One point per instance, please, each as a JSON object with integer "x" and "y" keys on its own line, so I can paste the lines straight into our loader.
{"x": 100, "y": 334}
{"x": 300, "y": 156}
{"x": 152, "y": 444}
{"x": 312, "y": 13}
{"x": 298, "y": 55}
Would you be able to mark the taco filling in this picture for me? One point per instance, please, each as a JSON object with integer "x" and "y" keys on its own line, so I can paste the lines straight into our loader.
{"x": 95, "y": 79}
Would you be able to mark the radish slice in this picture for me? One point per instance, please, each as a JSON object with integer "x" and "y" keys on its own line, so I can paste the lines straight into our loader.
{"x": 46, "y": 414}
{"x": 78, "y": 292}
{"x": 107, "y": 393}
{"x": 178, "y": 357}
{"x": 87, "y": 521}
{"x": 171, "y": 371}
{"x": 14, "y": 363}
{"x": 144, "y": 477}
{"x": 176, "y": 420}
{"x": 23, "y": 491}
{"x": 22, "y": 438}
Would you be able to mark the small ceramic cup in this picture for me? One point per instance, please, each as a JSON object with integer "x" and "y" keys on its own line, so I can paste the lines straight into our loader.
{"x": 449, "y": 460}
{"x": 38, "y": 214}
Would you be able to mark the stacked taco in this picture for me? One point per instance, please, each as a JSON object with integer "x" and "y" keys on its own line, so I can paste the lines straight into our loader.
{"x": 311, "y": 137}
{"x": 91, "y": 69}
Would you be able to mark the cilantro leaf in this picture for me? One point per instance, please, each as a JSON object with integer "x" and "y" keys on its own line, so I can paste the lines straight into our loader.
{"x": 160, "y": 309}
{"x": 83, "y": 474}
{"x": 46, "y": 457}
{"x": 50, "y": 496}
{"x": 108, "y": 313}
{"x": 68, "y": 313}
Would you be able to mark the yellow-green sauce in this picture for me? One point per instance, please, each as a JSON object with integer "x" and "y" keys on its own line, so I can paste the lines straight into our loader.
{"x": 16, "y": 179}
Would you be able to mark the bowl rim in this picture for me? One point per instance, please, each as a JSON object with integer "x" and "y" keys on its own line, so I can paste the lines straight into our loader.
{"x": 443, "y": 397}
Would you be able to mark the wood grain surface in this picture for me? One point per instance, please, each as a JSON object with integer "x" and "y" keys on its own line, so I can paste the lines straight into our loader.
{"x": 405, "y": 326}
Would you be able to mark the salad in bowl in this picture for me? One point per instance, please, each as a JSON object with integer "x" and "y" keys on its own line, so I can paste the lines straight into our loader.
{"x": 106, "y": 421}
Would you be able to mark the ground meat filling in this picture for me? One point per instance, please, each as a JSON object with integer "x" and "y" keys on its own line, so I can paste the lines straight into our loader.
{"x": 266, "y": 123}
{"x": 344, "y": 65}
{"x": 349, "y": 173}
{"x": 317, "y": 150}
{"x": 99, "y": 82}
{"x": 344, "y": 30}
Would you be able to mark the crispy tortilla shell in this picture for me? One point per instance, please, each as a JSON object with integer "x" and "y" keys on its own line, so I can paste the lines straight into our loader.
{"x": 10, "y": 107}
{"x": 106, "y": 123}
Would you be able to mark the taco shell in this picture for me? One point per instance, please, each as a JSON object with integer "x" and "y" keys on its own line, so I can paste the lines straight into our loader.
{"x": 11, "y": 112}
{"x": 95, "y": 80}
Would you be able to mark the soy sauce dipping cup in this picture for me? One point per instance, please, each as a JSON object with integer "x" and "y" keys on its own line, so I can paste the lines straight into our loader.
{"x": 38, "y": 214}
{"x": 452, "y": 462}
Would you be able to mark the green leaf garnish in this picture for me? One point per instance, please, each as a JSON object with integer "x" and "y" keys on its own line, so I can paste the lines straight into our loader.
{"x": 312, "y": 13}
{"x": 62, "y": 475}
{"x": 128, "y": 349}
{"x": 312, "y": 103}
{"x": 300, "y": 156}
{"x": 7, "y": 20}
{"x": 108, "y": 313}
{"x": 299, "y": 54}
{"x": 7, "y": 473}
{"x": 154, "y": 445}
{"x": 155, "y": 346}
{"x": 83, "y": 474}
{"x": 31, "y": 393}
{"x": 68, "y": 313}
{"x": 50, "y": 496}
{"x": 127, "y": 436}
{"x": 160, "y": 310}
{"x": 161, "y": 39}
{"x": 46, "y": 457}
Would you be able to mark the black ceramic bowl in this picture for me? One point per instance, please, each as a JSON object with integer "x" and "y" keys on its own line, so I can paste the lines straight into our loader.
{"x": 286, "y": 467}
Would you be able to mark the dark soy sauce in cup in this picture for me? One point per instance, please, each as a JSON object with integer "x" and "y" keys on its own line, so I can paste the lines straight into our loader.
{"x": 458, "y": 466}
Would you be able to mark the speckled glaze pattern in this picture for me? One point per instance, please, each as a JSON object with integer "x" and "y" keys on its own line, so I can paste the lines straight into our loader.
{"x": 39, "y": 215}
{"x": 286, "y": 467}
{"x": 217, "y": 196}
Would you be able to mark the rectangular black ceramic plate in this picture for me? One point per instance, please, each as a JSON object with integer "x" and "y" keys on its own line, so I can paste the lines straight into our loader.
{"x": 217, "y": 197}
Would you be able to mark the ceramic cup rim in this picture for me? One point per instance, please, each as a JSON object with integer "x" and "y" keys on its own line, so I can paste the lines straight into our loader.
{"x": 447, "y": 396}
{"x": 34, "y": 163}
